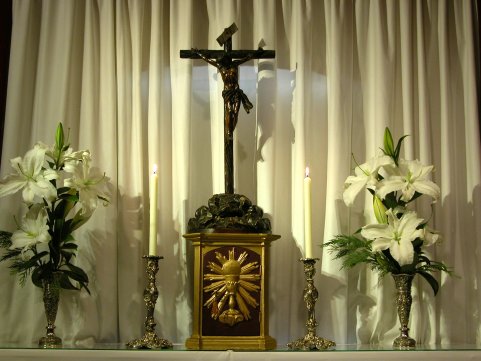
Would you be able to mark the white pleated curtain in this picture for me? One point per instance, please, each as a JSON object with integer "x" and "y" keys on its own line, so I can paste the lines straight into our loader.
{"x": 344, "y": 70}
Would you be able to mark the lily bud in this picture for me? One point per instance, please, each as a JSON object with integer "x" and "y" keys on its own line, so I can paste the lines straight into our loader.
{"x": 59, "y": 137}
{"x": 379, "y": 210}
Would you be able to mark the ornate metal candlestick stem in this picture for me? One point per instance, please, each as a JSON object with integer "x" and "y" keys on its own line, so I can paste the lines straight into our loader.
{"x": 150, "y": 338}
{"x": 310, "y": 341}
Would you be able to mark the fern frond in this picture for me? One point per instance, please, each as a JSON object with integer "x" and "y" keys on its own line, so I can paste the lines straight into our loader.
{"x": 10, "y": 253}
{"x": 351, "y": 249}
{"x": 5, "y": 239}
{"x": 435, "y": 266}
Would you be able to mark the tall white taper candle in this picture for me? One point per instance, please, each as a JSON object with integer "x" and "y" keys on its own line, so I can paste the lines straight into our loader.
{"x": 153, "y": 191}
{"x": 307, "y": 216}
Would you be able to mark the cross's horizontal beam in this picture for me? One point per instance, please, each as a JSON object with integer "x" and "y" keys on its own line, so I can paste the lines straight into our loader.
{"x": 234, "y": 54}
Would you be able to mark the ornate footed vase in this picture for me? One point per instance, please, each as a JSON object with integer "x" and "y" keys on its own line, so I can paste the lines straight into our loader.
{"x": 404, "y": 300}
{"x": 51, "y": 298}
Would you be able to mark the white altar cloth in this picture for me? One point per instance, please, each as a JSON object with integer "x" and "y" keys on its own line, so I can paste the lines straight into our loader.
{"x": 347, "y": 352}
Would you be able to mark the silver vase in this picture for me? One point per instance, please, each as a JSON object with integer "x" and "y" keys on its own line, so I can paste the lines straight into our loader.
{"x": 51, "y": 298}
{"x": 404, "y": 300}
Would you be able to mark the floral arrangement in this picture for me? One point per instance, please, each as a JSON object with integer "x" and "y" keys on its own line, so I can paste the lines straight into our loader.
{"x": 396, "y": 243}
{"x": 60, "y": 191}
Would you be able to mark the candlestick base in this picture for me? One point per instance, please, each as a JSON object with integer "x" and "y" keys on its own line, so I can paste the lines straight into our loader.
{"x": 150, "y": 339}
{"x": 310, "y": 341}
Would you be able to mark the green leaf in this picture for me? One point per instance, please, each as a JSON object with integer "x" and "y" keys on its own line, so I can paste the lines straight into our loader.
{"x": 54, "y": 250}
{"x": 69, "y": 197}
{"x": 390, "y": 200}
{"x": 67, "y": 255}
{"x": 392, "y": 264}
{"x": 63, "y": 207}
{"x": 38, "y": 256}
{"x": 62, "y": 190}
{"x": 68, "y": 237}
{"x": 20, "y": 265}
{"x": 72, "y": 246}
{"x": 59, "y": 211}
{"x": 75, "y": 276}
{"x": 408, "y": 268}
{"x": 417, "y": 244}
{"x": 424, "y": 259}
{"x": 65, "y": 282}
{"x": 431, "y": 280}
{"x": 398, "y": 149}
{"x": 36, "y": 279}
{"x": 40, "y": 273}
{"x": 77, "y": 273}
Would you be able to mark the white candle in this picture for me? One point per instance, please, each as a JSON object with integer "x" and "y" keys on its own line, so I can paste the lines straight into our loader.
{"x": 153, "y": 190}
{"x": 307, "y": 216}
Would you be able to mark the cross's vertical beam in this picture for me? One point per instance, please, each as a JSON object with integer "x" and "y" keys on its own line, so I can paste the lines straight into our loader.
{"x": 226, "y": 39}
{"x": 228, "y": 153}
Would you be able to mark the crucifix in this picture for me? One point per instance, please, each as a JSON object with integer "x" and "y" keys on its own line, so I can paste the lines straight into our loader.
{"x": 227, "y": 62}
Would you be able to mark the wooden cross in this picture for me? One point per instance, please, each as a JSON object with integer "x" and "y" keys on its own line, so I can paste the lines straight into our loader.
{"x": 227, "y": 61}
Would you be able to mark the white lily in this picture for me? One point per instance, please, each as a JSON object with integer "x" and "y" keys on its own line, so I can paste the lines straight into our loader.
{"x": 50, "y": 178}
{"x": 33, "y": 230}
{"x": 431, "y": 236}
{"x": 397, "y": 235}
{"x": 366, "y": 176}
{"x": 30, "y": 176}
{"x": 89, "y": 181}
{"x": 409, "y": 177}
{"x": 73, "y": 159}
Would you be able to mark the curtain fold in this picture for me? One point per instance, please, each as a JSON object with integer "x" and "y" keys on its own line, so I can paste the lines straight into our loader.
{"x": 344, "y": 70}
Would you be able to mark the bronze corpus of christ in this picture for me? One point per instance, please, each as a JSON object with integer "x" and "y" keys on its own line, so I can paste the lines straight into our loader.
{"x": 227, "y": 62}
{"x": 229, "y": 211}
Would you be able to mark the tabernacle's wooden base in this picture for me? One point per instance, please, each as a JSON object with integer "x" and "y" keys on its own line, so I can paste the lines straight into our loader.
{"x": 231, "y": 343}
{"x": 230, "y": 291}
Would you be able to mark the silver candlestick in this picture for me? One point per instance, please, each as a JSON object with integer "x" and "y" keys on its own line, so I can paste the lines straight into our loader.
{"x": 310, "y": 341}
{"x": 150, "y": 338}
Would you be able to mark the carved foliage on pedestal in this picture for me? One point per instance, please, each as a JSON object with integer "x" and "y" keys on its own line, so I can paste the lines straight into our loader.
{"x": 229, "y": 213}
{"x": 231, "y": 291}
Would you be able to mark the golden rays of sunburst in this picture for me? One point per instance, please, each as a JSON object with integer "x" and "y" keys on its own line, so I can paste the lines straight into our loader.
{"x": 231, "y": 286}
